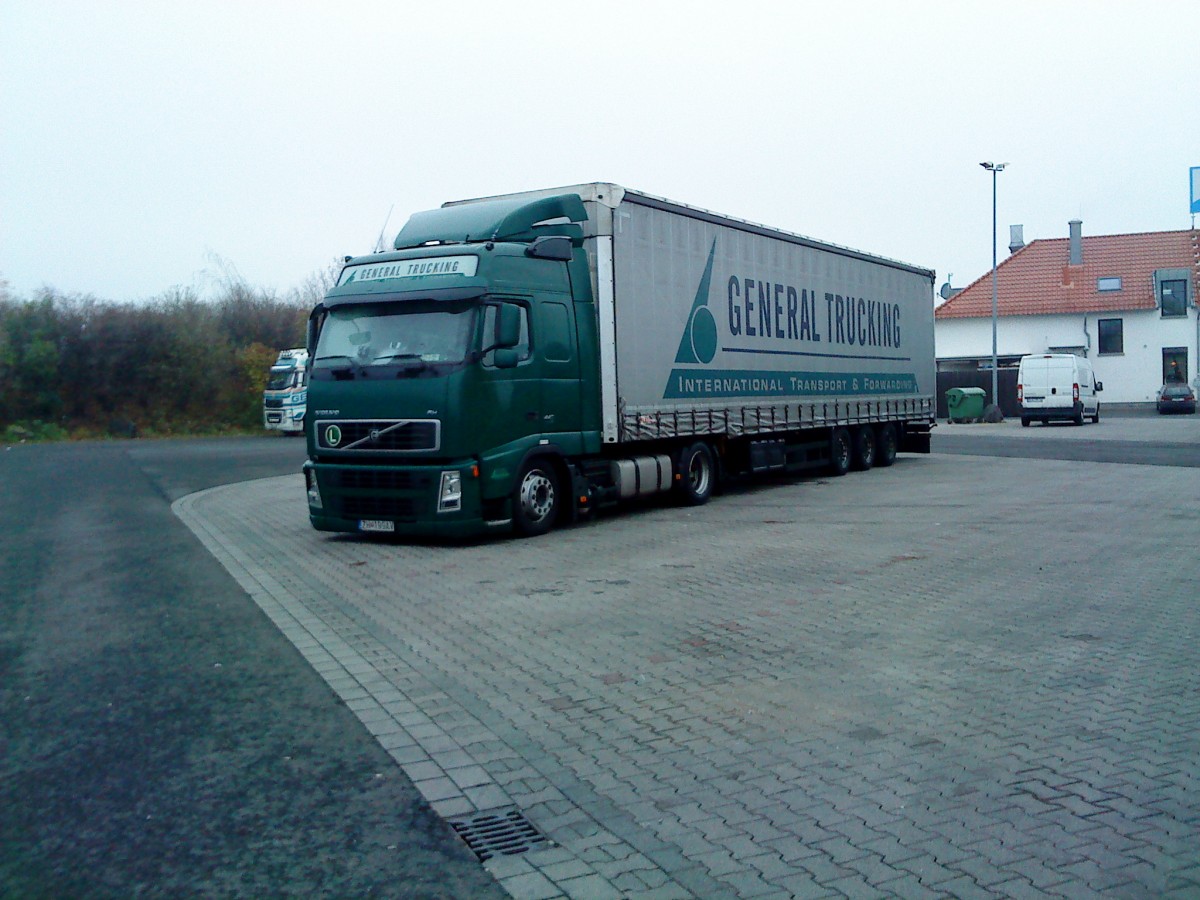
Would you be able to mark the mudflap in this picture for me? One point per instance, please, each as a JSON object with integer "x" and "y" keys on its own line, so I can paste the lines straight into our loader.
{"x": 914, "y": 437}
{"x": 581, "y": 504}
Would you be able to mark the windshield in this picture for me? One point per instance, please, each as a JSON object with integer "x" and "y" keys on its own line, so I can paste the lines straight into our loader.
{"x": 387, "y": 334}
{"x": 281, "y": 379}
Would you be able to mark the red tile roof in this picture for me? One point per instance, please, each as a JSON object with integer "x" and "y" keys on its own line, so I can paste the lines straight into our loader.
{"x": 1037, "y": 280}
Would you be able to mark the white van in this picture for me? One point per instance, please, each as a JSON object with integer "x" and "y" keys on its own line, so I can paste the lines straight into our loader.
{"x": 1057, "y": 386}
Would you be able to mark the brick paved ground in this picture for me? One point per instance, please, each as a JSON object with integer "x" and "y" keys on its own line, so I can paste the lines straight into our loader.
{"x": 956, "y": 677}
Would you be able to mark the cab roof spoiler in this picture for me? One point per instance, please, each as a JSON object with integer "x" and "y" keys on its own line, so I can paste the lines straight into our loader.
{"x": 503, "y": 219}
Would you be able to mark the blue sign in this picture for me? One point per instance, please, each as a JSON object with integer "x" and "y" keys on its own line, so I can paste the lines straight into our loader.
{"x": 1195, "y": 189}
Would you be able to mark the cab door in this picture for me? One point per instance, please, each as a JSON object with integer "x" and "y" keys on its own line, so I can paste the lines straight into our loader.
{"x": 510, "y": 405}
{"x": 558, "y": 359}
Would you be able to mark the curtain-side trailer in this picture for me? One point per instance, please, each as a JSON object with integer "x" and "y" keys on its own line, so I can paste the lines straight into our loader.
{"x": 517, "y": 361}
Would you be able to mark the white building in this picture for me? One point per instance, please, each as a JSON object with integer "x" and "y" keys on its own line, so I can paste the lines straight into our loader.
{"x": 1125, "y": 301}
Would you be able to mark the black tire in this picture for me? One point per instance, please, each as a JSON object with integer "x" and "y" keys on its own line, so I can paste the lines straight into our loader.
{"x": 698, "y": 474}
{"x": 864, "y": 448}
{"x": 841, "y": 452}
{"x": 887, "y": 444}
{"x": 1096, "y": 417}
{"x": 536, "y": 499}
{"x": 1078, "y": 420}
{"x": 1024, "y": 421}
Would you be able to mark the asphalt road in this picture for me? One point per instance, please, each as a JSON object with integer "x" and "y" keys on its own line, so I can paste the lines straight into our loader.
{"x": 1140, "y": 440}
{"x": 158, "y": 735}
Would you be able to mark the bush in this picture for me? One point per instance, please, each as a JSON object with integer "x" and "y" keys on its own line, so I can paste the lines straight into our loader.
{"x": 23, "y": 432}
{"x": 174, "y": 365}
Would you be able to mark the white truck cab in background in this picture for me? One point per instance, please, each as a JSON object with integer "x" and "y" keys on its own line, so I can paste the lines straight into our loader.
{"x": 286, "y": 396}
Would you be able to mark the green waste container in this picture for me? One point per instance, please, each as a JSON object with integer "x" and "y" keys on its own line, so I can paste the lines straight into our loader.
{"x": 965, "y": 404}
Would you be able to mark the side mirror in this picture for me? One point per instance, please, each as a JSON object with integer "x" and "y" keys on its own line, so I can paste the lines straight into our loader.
{"x": 313, "y": 331}
{"x": 551, "y": 246}
{"x": 1099, "y": 386}
{"x": 505, "y": 359}
{"x": 508, "y": 326}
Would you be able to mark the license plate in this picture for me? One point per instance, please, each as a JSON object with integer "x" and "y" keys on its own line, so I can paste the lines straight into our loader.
{"x": 375, "y": 525}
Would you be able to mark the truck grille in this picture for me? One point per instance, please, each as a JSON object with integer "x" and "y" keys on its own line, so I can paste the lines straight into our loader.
{"x": 377, "y": 480}
{"x": 379, "y": 435}
{"x": 273, "y": 403}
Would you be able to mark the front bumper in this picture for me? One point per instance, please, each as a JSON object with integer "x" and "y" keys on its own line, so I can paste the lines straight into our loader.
{"x": 400, "y": 500}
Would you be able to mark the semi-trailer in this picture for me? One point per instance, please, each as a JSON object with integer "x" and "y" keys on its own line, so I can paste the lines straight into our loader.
{"x": 518, "y": 361}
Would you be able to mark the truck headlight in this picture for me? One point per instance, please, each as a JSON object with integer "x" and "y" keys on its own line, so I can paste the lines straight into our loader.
{"x": 314, "y": 492}
{"x": 450, "y": 495}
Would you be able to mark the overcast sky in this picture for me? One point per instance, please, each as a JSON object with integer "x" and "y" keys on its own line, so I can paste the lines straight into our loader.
{"x": 145, "y": 146}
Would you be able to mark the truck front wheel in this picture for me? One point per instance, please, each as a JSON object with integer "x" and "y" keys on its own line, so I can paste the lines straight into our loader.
{"x": 536, "y": 500}
{"x": 697, "y": 472}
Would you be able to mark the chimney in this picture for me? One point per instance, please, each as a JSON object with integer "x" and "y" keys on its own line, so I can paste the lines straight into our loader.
{"x": 1076, "y": 227}
{"x": 1016, "y": 238}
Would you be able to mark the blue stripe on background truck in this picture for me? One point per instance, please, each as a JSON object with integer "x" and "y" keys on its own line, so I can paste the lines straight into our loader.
{"x": 521, "y": 360}
{"x": 286, "y": 395}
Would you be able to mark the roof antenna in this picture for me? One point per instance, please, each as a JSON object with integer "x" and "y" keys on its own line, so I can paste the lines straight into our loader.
{"x": 379, "y": 240}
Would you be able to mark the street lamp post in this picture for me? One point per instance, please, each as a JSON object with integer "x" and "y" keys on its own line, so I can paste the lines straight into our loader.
{"x": 995, "y": 169}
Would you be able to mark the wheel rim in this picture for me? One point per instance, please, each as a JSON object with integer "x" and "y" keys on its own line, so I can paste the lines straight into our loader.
{"x": 698, "y": 473}
{"x": 843, "y": 451}
{"x": 537, "y": 495}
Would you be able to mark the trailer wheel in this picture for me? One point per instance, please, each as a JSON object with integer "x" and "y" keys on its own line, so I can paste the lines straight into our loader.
{"x": 864, "y": 447}
{"x": 536, "y": 500}
{"x": 841, "y": 451}
{"x": 886, "y": 445}
{"x": 698, "y": 474}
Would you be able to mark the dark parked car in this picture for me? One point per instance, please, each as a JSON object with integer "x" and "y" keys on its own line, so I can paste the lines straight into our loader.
{"x": 1176, "y": 398}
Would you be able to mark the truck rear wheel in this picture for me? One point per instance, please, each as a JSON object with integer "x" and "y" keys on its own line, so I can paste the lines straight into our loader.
{"x": 536, "y": 500}
{"x": 864, "y": 447}
{"x": 841, "y": 451}
{"x": 698, "y": 473}
{"x": 886, "y": 445}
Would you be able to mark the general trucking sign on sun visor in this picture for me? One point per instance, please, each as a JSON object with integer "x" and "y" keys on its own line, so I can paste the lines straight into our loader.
{"x": 410, "y": 268}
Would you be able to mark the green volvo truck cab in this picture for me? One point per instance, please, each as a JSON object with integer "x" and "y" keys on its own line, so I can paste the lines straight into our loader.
{"x": 451, "y": 378}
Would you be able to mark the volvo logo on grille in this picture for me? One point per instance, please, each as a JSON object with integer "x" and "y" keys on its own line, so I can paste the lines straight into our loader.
{"x": 333, "y": 435}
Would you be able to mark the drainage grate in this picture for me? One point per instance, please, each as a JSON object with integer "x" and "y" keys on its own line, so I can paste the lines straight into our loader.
{"x": 498, "y": 833}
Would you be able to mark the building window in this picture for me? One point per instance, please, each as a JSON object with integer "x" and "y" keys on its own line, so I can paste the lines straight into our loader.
{"x": 1108, "y": 284}
{"x": 1112, "y": 336}
{"x": 1174, "y": 298}
{"x": 1175, "y": 365}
